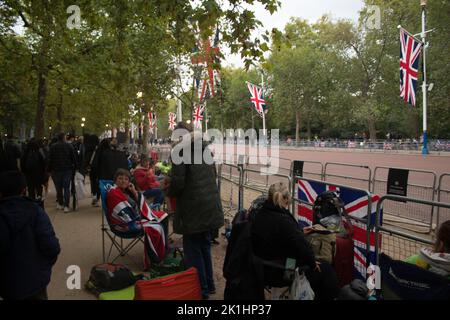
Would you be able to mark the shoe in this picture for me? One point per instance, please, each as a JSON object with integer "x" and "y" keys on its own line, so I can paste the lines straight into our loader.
{"x": 212, "y": 291}
{"x": 59, "y": 207}
{"x": 66, "y": 210}
{"x": 95, "y": 202}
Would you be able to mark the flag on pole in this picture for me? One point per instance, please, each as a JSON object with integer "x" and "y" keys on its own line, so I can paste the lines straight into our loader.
{"x": 257, "y": 98}
{"x": 198, "y": 116}
{"x": 409, "y": 62}
{"x": 207, "y": 56}
{"x": 172, "y": 120}
{"x": 152, "y": 121}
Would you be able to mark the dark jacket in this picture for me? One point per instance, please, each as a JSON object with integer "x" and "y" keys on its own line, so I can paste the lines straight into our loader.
{"x": 62, "y": 157}
{"x": 276, "y": 236}
{"x": 107, "y": 161}
{"x": 199, "y": 207}
{"x": 33, "y": 165}
{"x": 28, "y": 248}
{"x": 9, "y": 154}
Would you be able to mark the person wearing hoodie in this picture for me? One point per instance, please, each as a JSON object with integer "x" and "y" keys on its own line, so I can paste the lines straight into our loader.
{"x": 146, "y": 181}
{"x": 28, "y": 245}
{"x": 436, "y": 259}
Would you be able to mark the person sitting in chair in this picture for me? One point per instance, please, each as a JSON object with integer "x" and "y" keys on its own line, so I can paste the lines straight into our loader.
{"x": 436, "y": 259}
{"x": 129, "y": 216}
{"x": 146, "y": 181}
{"x": 276, "y": 236}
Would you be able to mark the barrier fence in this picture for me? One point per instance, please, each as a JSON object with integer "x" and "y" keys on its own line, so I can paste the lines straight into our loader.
{"x": 394, "y": 241}
{"x": 443, "y": 195}
{"x": 359, "y": 179}
{"x": 421, "y": 185}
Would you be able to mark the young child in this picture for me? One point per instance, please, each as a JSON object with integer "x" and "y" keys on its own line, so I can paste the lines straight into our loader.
{"x": 436, "y": 259}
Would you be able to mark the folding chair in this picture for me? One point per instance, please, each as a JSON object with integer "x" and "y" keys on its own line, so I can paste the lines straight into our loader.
{"x": 117, "y": 238}
{"x": 404, "y": 281}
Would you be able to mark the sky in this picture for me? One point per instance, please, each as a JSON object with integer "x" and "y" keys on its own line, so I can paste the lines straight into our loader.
{"x": 310, "y": 10}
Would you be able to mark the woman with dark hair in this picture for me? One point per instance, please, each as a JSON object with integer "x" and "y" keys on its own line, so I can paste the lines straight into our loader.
{"x": 34, "y": 168}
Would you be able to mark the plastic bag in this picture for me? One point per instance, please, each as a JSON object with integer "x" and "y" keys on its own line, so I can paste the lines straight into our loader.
{"x": 79, "y": 186}
{"x": 300, "y": 288}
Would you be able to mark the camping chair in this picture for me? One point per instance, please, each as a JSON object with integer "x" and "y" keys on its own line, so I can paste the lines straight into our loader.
{"x": 405, "y": 281}
{"x": 108, "y": 229}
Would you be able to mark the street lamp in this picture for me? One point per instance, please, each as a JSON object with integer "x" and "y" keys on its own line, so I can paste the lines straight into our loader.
{"x": 83, "y": 119}
{"x": 139, "y": 95}
{"x": 188, "y": 122}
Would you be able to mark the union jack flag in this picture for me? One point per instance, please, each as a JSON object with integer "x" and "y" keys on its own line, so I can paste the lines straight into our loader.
{"x": 257, "y": 98}
{"x": 409, "y": 63}
{"x": 198, "y": 116}
{"x": 152, "y": 121}
{"x": 172, "y": 117}
{"x": 356, "y": 204}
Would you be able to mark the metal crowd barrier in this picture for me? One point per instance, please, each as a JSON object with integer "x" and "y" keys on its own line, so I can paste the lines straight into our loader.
{"x": 414, "y": 213}
{"x": 239, "y": 183}
{"x": 359, "y": 182}
{"x": 365, "y": 221}
{"x": 443, "y": 195}
{"x": 397, "y": 243}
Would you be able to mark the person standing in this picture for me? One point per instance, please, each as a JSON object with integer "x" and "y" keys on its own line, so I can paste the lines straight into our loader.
{"x": 62, "y": 165}
{"x": 198, "y": 209}
{"x": 28, "y": 245}
{"x": 10, "y": 154}
{"x": 33, "y": 166}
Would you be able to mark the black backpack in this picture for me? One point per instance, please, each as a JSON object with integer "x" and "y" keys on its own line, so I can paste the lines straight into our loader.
{"x": 33, "y": 161}
{"x": 327, "y": 204}
{"x": 110, "y": 277}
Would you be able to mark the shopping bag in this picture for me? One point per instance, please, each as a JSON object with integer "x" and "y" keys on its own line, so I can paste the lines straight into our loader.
{"x": 300, "y": 288}
{"x": 79, "y": 186}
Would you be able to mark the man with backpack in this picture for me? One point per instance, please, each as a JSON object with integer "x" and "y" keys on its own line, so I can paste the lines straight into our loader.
{"x": 28, "y": 244}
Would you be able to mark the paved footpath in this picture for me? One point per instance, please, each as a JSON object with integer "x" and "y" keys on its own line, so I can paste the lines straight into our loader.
{"x": 80, "y": 238}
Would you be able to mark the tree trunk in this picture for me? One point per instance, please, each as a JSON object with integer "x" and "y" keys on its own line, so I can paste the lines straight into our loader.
{"x": 297, "y": 127}
{"x": 40, "y": 110}
{"x": 308, "y": 128}
{"x": 127, "y": 133}
{"x": 59, "y": 111}
{"x": 372, "y": 129}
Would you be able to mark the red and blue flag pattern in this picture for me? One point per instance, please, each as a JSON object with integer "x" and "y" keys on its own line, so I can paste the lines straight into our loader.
{"x": 356, "y": 204}
{"x": 409, "y": 63}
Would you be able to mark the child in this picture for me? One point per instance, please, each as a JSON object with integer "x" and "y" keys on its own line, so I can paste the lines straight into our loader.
{"x": 436, "y": 260}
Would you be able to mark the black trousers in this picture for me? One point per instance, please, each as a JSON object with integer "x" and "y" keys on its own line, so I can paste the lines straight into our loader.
{"x": 34, "y": 187}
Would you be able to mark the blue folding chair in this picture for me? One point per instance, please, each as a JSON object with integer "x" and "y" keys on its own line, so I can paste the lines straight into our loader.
{"x": 109, "y": 229}
{"x": 405, "y": 281}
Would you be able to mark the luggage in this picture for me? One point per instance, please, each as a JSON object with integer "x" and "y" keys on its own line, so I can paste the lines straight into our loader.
{"x": 344, "y": 256}
{"x": 110, "y": 277}
{"x": 172, "y": 263}
{"x": 180, "y": 286}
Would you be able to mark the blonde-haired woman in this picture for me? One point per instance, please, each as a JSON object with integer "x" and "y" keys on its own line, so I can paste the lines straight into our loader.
{"x": 276, "y": 236}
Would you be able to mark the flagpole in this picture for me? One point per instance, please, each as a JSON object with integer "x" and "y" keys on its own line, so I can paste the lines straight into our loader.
{"x": 263, "y": 111}
{"x": 423, "y": 3}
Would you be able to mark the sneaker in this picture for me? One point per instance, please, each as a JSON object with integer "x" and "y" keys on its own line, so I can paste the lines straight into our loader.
{"x": 94, "y": 202}
{"x": 66, "y": 209}
{"x": 59, "y": 207}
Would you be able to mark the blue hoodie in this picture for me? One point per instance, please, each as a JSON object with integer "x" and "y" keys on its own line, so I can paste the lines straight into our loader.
{"x": 28, "y": 248}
